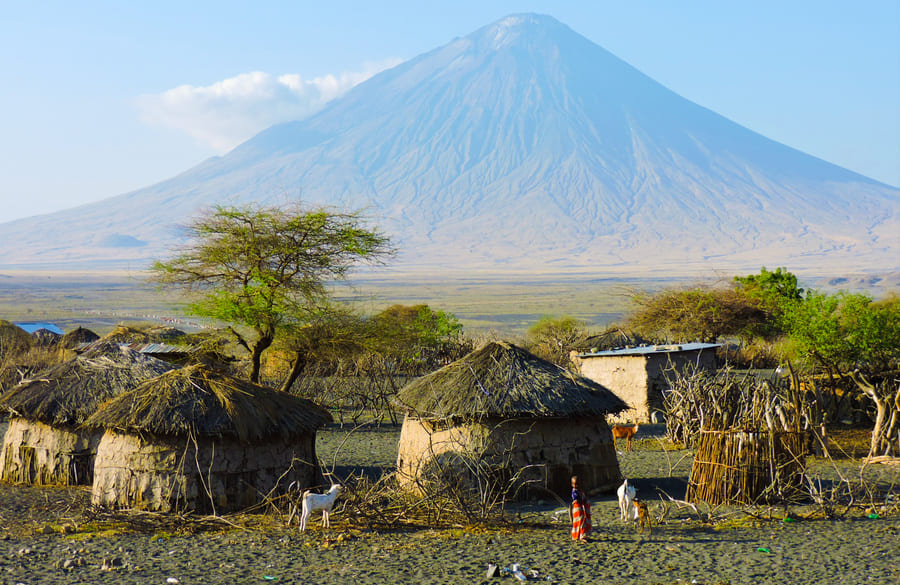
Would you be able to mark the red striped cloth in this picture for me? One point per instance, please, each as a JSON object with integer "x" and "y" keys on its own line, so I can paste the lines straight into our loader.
{"x": 581, "y": 519}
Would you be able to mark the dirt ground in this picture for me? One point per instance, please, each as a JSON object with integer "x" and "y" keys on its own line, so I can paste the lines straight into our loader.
{"x": 52, "y": 535}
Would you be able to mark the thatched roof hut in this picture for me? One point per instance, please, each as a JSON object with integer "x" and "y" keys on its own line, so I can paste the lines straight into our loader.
{"x": 503, "y": 404}
{"x": 13, "y": 339}
{"x": 46, "y": 339}
{"x": 197, "y": 439}
{"x": 164, "y": 334}
{"x": 125, "y": 334}
{"x": 78, "y": 336}
{"x": 44, "y": 444}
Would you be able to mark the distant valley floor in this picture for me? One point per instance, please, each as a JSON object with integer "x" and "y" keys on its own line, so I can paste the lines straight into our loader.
{"x": 503, "y": 303}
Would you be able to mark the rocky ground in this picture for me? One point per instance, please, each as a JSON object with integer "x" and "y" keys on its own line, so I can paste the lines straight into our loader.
{"x": 51, "y": 535}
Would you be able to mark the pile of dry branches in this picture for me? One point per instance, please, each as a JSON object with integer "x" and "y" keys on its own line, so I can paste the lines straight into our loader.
{"x": 722, "y": 400}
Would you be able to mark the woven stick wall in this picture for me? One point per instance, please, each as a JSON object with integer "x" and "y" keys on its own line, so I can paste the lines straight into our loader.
{"x": 746, "y": 467}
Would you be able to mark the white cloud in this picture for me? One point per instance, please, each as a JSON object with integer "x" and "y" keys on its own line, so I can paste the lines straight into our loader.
{"x": 228, "y": 112}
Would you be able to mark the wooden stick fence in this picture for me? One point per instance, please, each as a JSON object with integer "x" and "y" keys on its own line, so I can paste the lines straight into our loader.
{"x": 748, "y": 434}
{"x": 746, "y": 467}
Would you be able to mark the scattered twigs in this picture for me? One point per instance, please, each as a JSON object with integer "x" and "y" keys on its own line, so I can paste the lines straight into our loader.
{"x": 669, "y": 459}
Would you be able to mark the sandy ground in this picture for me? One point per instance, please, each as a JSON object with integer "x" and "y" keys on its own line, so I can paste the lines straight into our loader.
{"x": 685, "y": 547}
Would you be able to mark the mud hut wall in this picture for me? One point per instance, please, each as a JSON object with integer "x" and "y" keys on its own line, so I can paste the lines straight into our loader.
{"x": 658, "y": 364}
{"x": 548, "y": 451}
{"x": 41, "y": 454}
{"x": 639, "y": 380}
{"x": 627, "y": 377}
{"x": 204, "y": 476}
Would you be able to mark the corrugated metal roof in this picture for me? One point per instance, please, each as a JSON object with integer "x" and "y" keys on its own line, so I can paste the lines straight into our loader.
{"x": 652, "y": 349}
{"x": 148, "y": 348}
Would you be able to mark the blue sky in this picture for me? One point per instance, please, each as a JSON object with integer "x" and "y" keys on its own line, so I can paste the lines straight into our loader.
{"x": 101, "y": 98}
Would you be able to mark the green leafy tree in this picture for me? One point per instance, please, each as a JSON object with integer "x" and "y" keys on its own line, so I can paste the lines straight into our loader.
{"x": 416, "y": 335}
{"x": 777, "y": 287}
{"x": 853, "y": 340}
{"x": 844, "y": 331}
{"x": 253, "y": 265}
{"x": 776, "y": 292}
{"x": 552, "y": 338}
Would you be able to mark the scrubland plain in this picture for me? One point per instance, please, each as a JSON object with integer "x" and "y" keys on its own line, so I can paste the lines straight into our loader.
{"x": 506, "y": 304}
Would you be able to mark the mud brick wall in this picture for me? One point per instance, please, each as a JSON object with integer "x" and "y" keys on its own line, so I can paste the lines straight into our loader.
{"x": 545, "y": 451}
{"x": 207, "y": 475}
{"x": 40, "y": 454}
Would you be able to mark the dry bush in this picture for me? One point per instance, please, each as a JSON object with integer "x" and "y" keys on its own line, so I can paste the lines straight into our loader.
{"x": 721, "y": 400}
{"x": 757, "y": 354}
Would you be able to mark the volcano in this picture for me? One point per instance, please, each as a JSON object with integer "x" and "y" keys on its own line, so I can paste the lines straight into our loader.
{"x": 522, "y": 147}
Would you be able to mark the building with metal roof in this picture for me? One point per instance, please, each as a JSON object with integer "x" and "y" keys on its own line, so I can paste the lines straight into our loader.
{"x": 637, "y": 374}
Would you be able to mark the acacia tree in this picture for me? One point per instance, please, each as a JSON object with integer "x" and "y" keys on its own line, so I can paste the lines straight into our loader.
{"x": 701, "y": 314}
{"x": 416, "y": 337}
{"x": 326, "y": 334}
{"x": 254, "y": 265}
{"x": 552, "y": 338}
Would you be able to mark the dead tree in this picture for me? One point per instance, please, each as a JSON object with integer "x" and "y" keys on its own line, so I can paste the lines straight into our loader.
{"x": 886, "y": 433}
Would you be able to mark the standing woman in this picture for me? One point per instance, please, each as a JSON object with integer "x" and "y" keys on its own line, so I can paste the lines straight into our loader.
{"x": 581, "y": 512}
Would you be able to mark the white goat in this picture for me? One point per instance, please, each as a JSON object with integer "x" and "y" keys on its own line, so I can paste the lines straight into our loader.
{"x": 626, "y": 493}
{"x": 324, "y": 502}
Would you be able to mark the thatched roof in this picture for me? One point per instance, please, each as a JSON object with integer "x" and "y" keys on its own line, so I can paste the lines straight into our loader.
{"x": 126, "y": 334}
{"x": 45, "y": 338}
{"x": 503, "y": 380}
{"x": 164, "y": 333}
{"x": 13, "y": 338}
{"x": 198, "y": 401}
{"x": 78, "y": 336}
{"x": 69, "y": 393}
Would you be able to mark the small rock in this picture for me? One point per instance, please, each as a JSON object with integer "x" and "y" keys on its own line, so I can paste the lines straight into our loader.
{"x": 111, "y": 564}
{"x": 492, "y": 571}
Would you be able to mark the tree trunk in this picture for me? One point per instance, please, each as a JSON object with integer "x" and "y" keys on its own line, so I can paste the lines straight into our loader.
{"x": 297, "y": 367}
{"x": 264, "y": 341}
{"x": 886, "y": 434}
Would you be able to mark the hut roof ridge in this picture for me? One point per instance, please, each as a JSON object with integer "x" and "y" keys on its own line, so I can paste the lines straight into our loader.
{"x": 504, "y": 380}
{"x": 196, "y": 400}
{"x": 67, "y": 394}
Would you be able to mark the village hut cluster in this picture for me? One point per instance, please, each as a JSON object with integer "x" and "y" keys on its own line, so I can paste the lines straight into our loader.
{"x": 46, "y": 442}
{"x": 167, "y": 436}
{"x": 147, "y": 434}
